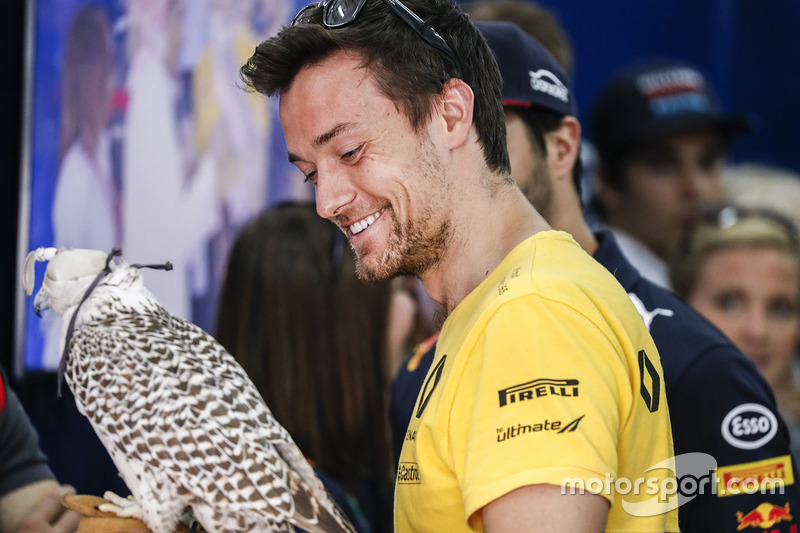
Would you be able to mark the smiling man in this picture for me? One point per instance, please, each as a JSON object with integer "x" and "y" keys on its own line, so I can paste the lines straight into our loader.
{"x": 709, "y": 381}
{"x": 544, "y": 373}
{"x": 390, "y": 212}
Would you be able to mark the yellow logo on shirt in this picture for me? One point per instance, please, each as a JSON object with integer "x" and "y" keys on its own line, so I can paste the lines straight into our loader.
{"x": 748, "y": 478}
{"x": 408, "y": 474}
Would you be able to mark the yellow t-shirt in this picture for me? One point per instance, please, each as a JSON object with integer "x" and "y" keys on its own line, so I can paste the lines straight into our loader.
{"x": 544, "y": 373}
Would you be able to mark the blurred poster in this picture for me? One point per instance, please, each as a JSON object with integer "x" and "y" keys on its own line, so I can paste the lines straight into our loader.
{"x": 138, "y": 135}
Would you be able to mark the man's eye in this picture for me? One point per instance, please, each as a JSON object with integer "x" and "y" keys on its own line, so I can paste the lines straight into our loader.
{"x": 349, "y": 156}
{"x": 310, "y": 177}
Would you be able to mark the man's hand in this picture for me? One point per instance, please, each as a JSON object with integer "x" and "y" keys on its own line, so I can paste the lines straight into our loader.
{"x": 37, "y": 508}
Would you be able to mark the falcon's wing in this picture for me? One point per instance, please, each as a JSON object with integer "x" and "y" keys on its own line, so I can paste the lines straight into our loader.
{"x": 175, "y": 400}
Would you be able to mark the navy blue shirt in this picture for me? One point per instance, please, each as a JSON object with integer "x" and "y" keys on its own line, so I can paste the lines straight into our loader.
{"x": 726, "y": 429}
{"x": 21, "y": 460}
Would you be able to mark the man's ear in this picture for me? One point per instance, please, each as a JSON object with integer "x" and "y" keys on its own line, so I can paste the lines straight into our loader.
{"x": 563, "y": 149}
{"x": 457, "y": 108}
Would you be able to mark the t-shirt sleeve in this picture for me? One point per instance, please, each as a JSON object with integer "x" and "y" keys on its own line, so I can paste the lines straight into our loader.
{"x": 21, "y": 460}
{"x": 552, "y": 391}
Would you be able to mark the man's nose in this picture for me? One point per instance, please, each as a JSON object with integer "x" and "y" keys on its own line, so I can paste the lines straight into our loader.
{"x": 334, "y": 190}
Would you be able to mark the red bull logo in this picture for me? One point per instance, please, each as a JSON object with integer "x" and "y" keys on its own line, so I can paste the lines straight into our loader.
{"x": 765, "y": 516}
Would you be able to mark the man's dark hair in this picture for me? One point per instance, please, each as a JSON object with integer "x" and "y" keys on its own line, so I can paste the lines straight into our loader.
{"x": 540, "y": 122}
{"x": 408, "y": 70}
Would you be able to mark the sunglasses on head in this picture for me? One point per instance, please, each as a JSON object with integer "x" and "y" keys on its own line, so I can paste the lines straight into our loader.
{"x": 337, "y": 13}
{"x": 727, "y": 216}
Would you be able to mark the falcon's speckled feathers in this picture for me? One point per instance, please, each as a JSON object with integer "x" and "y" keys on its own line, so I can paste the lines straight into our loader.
{"x": 183, "y": 423}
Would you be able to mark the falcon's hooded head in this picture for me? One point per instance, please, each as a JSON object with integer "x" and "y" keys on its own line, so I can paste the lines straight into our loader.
{"x": 68, "y": 276}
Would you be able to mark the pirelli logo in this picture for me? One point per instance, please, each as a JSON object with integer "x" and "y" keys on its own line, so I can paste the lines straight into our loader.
{"x": 537, "y": 389}
{"x": 747, "y": 478}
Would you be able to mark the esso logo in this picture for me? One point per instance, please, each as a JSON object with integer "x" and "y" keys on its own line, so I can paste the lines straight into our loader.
{"x": 749, "y": 426}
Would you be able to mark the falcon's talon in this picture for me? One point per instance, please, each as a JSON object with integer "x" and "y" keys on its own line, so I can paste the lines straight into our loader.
{"x": 122, "y": 507}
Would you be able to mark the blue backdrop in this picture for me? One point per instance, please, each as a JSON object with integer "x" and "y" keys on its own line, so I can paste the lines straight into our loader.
{"x": 747, "y": 47}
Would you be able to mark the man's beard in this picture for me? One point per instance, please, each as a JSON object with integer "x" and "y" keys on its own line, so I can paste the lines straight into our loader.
{"x": 539, "y": 190}
{"x": 416, "y": 246}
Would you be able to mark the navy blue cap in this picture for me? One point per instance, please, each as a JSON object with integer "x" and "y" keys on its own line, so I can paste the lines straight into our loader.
{"x": 531, "y": 75}
{"x": 652, "y": 99}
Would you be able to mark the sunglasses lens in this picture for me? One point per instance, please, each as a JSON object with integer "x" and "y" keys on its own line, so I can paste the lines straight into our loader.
{"x": 305, "y": 15}
{"x": 341, "y": 12}
{"x": 336, "y": 13}
{"x": 728, "y": 216}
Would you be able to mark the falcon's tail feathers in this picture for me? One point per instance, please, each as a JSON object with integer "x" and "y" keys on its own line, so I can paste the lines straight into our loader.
{"x": 317, "y": 517}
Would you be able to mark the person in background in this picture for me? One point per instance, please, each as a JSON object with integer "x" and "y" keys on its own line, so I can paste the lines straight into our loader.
{"x": 170, "y": 207}
{"x": 533, "y": 19}
{"x": 774, "y": 188}
{"x": 399, "y": 126}
{"x": 662, "y": 141}
{"x": 740, "y": 267}
{"x": 313, "y": 338}
{"x": 86, "y": 211}
{"x": 86, "y": 200}
{"x": 30, "y": 496}
{"x": 706, "y": 377}
{"x": 408, "y": 323}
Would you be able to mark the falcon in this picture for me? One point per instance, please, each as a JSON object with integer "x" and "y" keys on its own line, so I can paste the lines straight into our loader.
{"x": 186, "y": 428}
